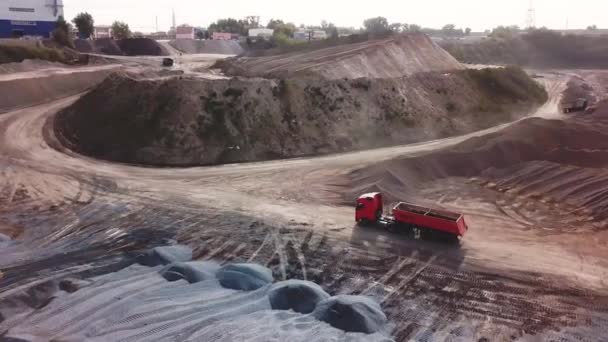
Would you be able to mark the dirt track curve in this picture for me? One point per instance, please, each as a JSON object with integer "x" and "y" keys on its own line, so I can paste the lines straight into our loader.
{"x": 76, "y": 216}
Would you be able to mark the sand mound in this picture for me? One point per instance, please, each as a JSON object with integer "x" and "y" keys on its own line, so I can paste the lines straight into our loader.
{"x": 563, "y": 160}
{"x": 397, "y": 56}
{"x": 190, "y": 121}
{"x": 220, "y": 47}
{"x": 129, "y": 47}
{"x": 351, "y": 313}
{"x": 105, "y": 46}
{"x": 141, "y": 47}
{"x": 246, "y": 277}
{"x": 297, "y": 295}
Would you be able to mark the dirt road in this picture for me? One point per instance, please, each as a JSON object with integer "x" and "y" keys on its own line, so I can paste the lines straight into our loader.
{"x": 75, "y": 216}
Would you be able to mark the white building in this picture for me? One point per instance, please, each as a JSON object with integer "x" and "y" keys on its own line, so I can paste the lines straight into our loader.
{"x": 310, "y": 35}
{"x": 19, "y": 18}
{"x": 102, "y": 31}
{"x": 263, "y": 33}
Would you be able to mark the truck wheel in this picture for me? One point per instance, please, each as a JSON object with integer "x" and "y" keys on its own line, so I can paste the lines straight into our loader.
{"x": 417, "y": 233}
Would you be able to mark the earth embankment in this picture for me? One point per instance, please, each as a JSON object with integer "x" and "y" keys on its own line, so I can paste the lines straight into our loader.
{"x": 538, "y": 49}
{"x": 192, "y": 121}
{"x": 397, "y": 56}
{"x": 121, "y": 47}
{"x": 29, "y": 88}
{"x": 555, "y": 161}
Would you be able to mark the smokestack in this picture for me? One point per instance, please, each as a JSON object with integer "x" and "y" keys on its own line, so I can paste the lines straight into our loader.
{"x": 174, "y": 26}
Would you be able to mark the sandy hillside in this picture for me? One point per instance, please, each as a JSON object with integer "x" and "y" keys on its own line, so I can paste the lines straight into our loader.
{"x": 562, "y": 161}
{"x": 190, "y": 121}
{"x": 538, "y": 48}
{"x": 397, "y": 56}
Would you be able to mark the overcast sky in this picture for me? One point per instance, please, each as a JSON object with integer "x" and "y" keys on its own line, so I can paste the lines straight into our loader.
{"x": 477, "y": 14}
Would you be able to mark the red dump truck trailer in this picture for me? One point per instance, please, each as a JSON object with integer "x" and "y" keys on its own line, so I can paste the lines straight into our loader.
{"x": 411, "y": 219}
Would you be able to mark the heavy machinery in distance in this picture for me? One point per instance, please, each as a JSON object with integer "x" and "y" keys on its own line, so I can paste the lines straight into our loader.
{"x": 578, "y": 105}
{"x": 414, "y": 220}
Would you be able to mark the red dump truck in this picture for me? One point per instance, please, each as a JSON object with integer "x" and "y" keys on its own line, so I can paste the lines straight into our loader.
{"x": 411, "y": 219}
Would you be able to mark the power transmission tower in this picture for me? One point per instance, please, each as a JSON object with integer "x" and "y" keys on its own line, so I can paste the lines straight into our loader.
{"x": 531, "y": 16}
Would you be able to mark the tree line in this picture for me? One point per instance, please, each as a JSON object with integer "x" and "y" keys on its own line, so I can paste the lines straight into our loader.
{"x": 85, "y": 24}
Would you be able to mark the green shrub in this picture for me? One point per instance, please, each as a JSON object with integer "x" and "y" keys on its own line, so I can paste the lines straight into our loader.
{"x": 508, "y": 83}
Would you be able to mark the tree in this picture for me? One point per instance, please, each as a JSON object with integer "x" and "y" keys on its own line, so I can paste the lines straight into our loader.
{"x": 376, "y": 25}
{"x": 85, "y": 24}
{"x": 505, "y": 31}
{"x": 231, "y": 25}
{"x": 414, "y": 28}
{"x": 199, "y": 33}
{"x": 450, "y": 30}
{"x": 251, "y": 22}
{"x": 467, "y": 31}
{"x": 62, "y": 32}
{"x": 346, "y": 31}
{"x": 396, "y": 27}
{"x": 332, "y": 31}
{"x": 280, "y": 27}
{"x": 592, "y": 28}
{"x": 121, "y": 30}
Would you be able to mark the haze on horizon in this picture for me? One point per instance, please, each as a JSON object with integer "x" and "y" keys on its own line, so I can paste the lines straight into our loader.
{"x": 477, "y": 14}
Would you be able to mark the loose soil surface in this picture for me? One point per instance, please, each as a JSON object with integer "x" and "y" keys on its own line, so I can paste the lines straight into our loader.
{"x": 400, "y": 55}
{"x": 532, "y": 267}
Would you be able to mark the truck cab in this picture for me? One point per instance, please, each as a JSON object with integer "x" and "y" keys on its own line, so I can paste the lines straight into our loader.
{"x": 369, "y": 207}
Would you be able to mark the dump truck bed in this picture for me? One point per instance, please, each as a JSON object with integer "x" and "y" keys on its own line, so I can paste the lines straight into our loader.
{"x": 430, "y": 218}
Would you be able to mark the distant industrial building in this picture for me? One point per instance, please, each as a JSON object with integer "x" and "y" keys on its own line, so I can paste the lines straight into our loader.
{"x": 185, "y": 32}
{"x": 221, "y": 36}
{"x": 310, "y": 35}
{"x": 29, "y": 18}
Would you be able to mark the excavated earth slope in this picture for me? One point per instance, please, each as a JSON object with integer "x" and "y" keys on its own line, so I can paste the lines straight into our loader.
{"x": 556, "y": 161}
{"x": 191, "y": 121}
{"x": 397, "y": 56}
